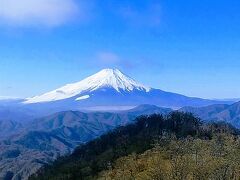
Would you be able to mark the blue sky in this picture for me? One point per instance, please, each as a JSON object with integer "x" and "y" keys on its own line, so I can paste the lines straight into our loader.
{"x": 188, "y": 47}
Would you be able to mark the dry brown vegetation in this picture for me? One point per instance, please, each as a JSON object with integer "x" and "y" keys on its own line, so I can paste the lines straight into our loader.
{"x": 188, "y": 159}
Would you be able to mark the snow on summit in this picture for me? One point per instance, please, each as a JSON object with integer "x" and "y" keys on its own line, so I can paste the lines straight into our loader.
{"x": 111, "y": 78}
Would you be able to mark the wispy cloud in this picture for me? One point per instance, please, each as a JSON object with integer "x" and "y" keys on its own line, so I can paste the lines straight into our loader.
{"x": 136, "y": 63}
{"x": 8, "y": 97}
{"x": 108, "y": 58}
{"x": 49, "y": 13}
{"x": 149, "y": 16}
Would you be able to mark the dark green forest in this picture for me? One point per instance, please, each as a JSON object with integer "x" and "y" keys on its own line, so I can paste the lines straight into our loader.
{"x": 176, "y": 146}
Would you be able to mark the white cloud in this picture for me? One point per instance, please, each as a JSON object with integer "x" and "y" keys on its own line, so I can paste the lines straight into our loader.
{"x": 108, "y": 58}
{"x": 48, "y": 13}
{"x": 150, "y": 16}
{"x": 8, "y": 98}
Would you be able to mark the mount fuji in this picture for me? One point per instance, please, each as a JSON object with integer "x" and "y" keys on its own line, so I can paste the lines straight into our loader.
{"x": 102, "y": 81}
{"x": 109, "y": 89}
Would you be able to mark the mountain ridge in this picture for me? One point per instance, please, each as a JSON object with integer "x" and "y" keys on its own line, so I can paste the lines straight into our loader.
{"x": 218, "y": 112}
{"x": 110, "y": 87}
{"x": 44, "y": 139}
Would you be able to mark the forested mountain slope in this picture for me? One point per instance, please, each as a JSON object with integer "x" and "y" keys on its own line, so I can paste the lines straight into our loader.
{"x": 89, "y": 160}
{"x": 218, "y": 112}
{"x": 44, "y": 139}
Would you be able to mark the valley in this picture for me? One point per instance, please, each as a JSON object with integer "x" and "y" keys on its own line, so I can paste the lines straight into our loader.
{"x": 36, "y": 131}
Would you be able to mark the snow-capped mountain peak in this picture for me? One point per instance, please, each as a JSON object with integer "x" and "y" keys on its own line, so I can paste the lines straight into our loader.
{"x": 106, "y": 78}
{"x": 114, "y": 78}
